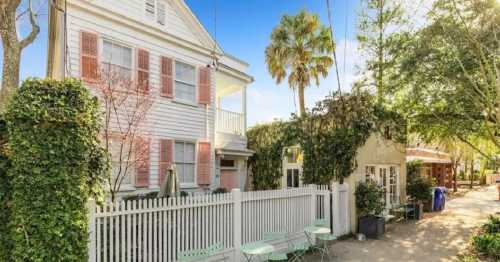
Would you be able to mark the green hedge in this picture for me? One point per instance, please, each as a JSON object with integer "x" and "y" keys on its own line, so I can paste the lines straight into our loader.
{"x": 57, "y": 163}
{"x": 487, "y": 243}
{"x": 5, "y": 195}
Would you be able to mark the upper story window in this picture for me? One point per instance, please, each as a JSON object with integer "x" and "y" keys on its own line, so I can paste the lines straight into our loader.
{"x": 116, "y": 60}
{"x": 155, "y": 9}
{"x": 185, "y": 161}
{"x": 185, "y": 82}
{"x": 292, "y": 155}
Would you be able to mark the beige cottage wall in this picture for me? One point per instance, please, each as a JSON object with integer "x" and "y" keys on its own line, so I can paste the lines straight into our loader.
{"x": 377, "y": 151}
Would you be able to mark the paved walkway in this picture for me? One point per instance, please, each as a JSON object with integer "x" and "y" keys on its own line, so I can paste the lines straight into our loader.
{"x": 437, "y": 237}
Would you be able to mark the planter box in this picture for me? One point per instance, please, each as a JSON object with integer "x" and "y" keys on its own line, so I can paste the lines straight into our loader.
{"x": 371, "y": 226}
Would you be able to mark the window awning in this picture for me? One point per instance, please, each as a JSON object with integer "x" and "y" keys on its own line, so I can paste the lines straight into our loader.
{"x": 234, "y": 152}
{"x": 430, "y": 160}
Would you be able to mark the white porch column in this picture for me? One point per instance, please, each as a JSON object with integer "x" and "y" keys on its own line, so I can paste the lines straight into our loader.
{"x": 244, "y": 108}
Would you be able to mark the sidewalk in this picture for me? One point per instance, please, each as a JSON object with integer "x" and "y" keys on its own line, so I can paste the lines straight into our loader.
{"x": 437, "y": 237}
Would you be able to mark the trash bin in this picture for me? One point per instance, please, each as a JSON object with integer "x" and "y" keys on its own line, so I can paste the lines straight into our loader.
{"x": 439, "y": 198}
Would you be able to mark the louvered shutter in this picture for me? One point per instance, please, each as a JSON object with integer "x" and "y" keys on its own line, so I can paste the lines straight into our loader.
{"x": 204, "y": 85}
{"x": 203, "y": 175}
{"x": 143, "y": 69}
{"x": 88, "y": 56}
{"x": 167, "y": 80}
{"x": 166, "y": 158}
{"x": 142, "y": 162}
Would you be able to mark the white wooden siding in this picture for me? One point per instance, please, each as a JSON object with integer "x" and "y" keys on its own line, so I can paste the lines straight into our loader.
{"x": 167, "y": 119}
{"x": 175, "y": 24}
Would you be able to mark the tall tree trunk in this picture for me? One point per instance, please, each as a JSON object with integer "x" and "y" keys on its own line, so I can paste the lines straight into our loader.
{"x": 11, "y": 53}
{"x": 12, "y": 46}
{"x": 380, "y": 53}
{"x": 454, "y": 170}
{"x": 302, "y": 106}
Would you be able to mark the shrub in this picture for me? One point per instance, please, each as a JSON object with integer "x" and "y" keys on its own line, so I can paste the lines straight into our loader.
{"x": 493, "y": 225}
{"x": 369, "y": 199}
{"x": 488, "y": 245}
{"x": 419, "y": 188}
{"x": 57, "y": 163}
{"x": 219, "y": 190}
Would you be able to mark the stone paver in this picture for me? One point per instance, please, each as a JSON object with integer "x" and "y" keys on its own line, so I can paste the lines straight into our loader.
{"x": 437, "y": 237}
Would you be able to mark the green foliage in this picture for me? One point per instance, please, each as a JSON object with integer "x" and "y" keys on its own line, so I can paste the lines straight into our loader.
{"x": 488, "y": 245}
{"x": 329, "y": 137}
{"x": 493, "y": 225}
{"x": 419, "y": 188}
{"x": 57, "y": 164}
{"x": 369, "y": 199}
{"x": 219, "y": 190}
{"x": 268, "y": 141}
{"x": 5, "y": 195}
{"x": 301, "y": 49}
{"x": 413, "y": 168}
{"x": 449, "y": 74}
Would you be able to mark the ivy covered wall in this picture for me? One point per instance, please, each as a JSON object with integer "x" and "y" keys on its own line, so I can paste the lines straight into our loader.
{"x": 329, "y": 135}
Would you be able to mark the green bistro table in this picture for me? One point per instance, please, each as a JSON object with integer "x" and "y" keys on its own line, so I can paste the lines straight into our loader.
{"x": 311, "y": 232}
{"x": 256, "y": 249}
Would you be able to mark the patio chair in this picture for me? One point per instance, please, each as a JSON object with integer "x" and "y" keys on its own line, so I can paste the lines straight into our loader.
{"x": 201, "y": 254}
{"x": 320, "y": 222}
{"x": 299, "y": 249}
{"x": 277, "y": 236}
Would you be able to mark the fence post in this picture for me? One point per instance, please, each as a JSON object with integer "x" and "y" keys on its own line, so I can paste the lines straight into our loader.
{"x": 314, "y": 205}
{"x": 237, "y": 223}
{"x": 336, "y": 209}
{"x": 91, "y": 230}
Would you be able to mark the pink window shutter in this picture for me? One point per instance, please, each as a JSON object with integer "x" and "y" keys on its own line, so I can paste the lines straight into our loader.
{"x": 142, "y": 162}
{"x": 88, "y": 56}
{"x": 203, "y": 175}
{"x": 204, "y": 86}
{"x": 166, "y": 158}
{"x": 143, "y": 69}
{"x": 167, "y": 80}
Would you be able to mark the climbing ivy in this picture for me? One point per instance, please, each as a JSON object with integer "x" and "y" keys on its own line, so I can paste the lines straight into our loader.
{"x": 268, "y": 142}
{"x": 57, "y": 164}
{"x": 329, "y": 136}
{"x": 5, "y": 195}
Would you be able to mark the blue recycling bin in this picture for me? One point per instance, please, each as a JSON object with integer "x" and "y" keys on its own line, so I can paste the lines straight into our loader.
{"x": 439, "y": 198}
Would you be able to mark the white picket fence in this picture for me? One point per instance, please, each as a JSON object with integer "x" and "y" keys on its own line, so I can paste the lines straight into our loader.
{"x": 157, "y": 230}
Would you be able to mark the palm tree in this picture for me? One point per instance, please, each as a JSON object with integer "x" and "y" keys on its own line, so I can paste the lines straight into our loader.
{"x": 300, "y": 48}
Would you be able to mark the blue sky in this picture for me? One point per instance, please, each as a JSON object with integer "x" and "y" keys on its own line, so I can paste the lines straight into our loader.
{"x": 243, "y": 30}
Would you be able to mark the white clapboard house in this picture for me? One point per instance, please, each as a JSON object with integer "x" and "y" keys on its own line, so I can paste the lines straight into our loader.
{"x": 163, "y": 43}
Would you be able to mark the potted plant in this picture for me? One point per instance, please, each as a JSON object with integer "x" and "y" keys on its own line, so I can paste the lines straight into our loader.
{"x": 369, "y": 206}
{"x": 419, "y": 189}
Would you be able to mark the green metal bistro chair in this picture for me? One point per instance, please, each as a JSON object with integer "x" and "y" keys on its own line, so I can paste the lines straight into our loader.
{"x": 192, "y": 255}
{"x": 299, "y": 249}
{"x": 201, "y": 254}
{"x": 277, "y": 236}
{"x": 320, "y": 222}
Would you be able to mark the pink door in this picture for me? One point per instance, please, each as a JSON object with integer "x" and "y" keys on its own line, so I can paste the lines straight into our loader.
{"x": 229, "y": 179}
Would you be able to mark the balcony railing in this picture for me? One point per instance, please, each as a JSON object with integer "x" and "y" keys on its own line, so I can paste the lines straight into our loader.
{"x": 230, "y": 122}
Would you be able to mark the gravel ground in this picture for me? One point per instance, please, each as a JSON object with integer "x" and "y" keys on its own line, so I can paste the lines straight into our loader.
{"x": 437, "y": 237}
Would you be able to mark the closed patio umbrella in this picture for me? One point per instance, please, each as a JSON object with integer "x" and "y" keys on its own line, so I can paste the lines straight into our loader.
{"x": 170, "y": 185}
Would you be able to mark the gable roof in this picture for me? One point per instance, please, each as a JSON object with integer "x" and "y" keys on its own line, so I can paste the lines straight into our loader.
{"x": 190, "y": 18}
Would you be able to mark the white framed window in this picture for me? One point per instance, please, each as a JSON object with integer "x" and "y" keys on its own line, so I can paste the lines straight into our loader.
{"x": 393, "y": 185}
{"x": 122, "y": 163}
{"x": 185, "y": 82}
{"x": 185, "y": 155}
{"x": 292, "y": 155}
{"x": 116, "y": 60}
{"x": 370, "y": 173}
